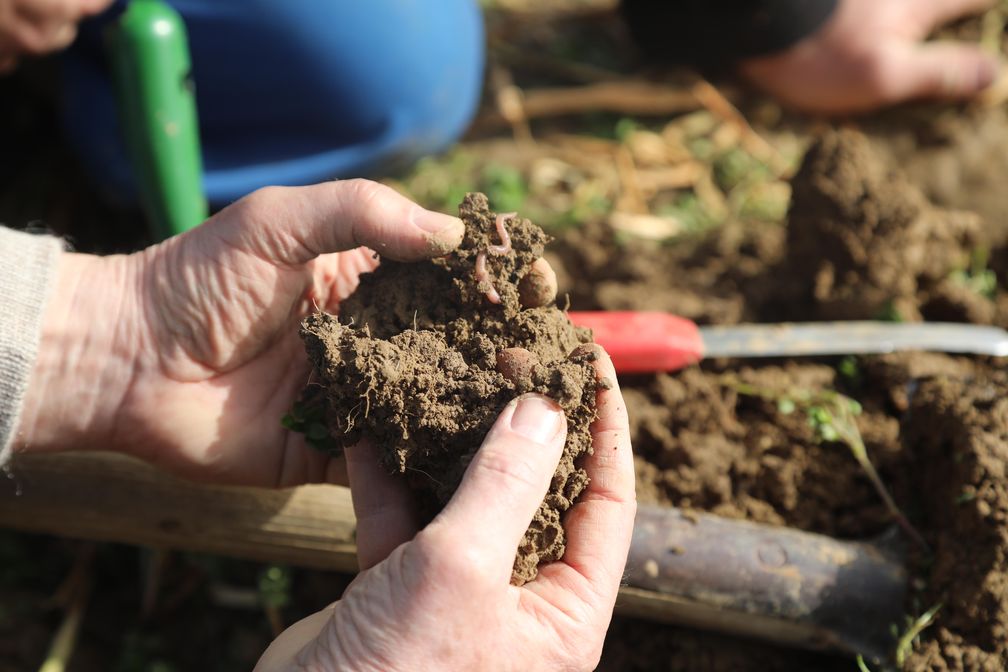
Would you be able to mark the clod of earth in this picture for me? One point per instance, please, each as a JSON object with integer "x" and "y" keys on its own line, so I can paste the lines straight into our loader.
{"x": 865, "y": 243}
{"x": 423, "y": 357}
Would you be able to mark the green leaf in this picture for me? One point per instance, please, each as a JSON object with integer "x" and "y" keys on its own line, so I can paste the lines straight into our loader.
{"x": 274, "y": 586}
{"x": 785, "y": 406}
{"x": 505, "y": 187}
{"x": 317, "y": 432}
{"x": 624, "y": 127}
{"x": 905, "y": 644}
{"x": 848, "y": 368}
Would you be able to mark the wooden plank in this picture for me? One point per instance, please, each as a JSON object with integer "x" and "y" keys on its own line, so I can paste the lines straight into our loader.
{"x": 109, "y": 497}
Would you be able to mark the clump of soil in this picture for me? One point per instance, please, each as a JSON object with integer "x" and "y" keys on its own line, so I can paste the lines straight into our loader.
{"x": 422, "y": 361}
{"x": 959, "y": 430}
{"x": 864, "y": 243}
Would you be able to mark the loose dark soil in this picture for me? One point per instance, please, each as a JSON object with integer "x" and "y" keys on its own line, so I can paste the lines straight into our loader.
{"x": 959, "y": 428}
{"x": 861, "y": 242}
{"x": 423, "y": 362}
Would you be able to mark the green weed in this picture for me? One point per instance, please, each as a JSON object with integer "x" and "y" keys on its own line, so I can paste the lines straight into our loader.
{"x": 906, "y": 641}
{"x": 889, "y": 313}
{"x": 504, "y": 186}
{"x": 977, "y": 277}
{"x": 833, "y": 418}
{"x": 307, "y": 416}
{"x": 275, "y": 587}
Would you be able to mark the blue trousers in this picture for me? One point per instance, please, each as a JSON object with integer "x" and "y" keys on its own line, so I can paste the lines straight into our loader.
{"x": 294, "y": 92}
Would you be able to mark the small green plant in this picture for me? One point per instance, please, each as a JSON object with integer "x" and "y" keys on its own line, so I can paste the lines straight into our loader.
{"x": 307, "y": 416}
{"x": 690, "y": 212}
{"x": 504, "y": 186}
{"x": 906, "y": 641}
{"x": 850, "y": 370}
{"x": 590, "y": 206}
{"x": 274, "y": 587}
{"x": 624, "y": 128}
{"x": 977, "y": 277}
{"x": 833, "y": 418}
{"x": 735, "y": 166}
{"x": 274, "y": 595}
{"x": 862, "y": 666}
{"x": 764, "y": 201}
{"x": 441, "y": 182}
{"x": 889, "y": 313}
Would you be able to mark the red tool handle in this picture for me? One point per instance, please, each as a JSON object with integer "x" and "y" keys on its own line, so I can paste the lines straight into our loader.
{"x": 640, "y": 342}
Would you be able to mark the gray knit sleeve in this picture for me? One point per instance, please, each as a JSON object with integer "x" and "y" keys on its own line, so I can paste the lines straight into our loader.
{"x": 27, "y": 271}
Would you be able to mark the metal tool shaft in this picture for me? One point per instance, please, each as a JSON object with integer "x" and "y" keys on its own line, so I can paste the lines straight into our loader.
{"x": 851, "y": 338}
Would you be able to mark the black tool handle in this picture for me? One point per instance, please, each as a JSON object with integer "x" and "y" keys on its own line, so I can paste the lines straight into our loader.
{"x": 770, "y": 582}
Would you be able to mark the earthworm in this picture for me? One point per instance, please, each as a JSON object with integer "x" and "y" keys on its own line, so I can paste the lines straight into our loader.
{"x": 505, "y": 246}
{"x": 483, "y": 276}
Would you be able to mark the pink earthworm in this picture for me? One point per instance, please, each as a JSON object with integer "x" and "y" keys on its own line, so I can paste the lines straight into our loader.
{"x": 502, "y": 231}
{"x": 483, "y": 276}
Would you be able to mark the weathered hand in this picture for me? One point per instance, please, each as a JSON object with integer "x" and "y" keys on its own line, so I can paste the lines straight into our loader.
{"x": 869, "y": 54}
{"x": 38, "y": 27}
{"x": 440, "y": 599}
{"x": 187, "y": 353}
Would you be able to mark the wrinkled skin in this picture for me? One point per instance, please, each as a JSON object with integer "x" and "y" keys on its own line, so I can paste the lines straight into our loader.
{"x": 869, "y": 54}
{"x": 440, "y": 598}
{"x": 187, "y": 354}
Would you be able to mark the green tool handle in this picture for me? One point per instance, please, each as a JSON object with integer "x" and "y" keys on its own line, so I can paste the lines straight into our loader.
{"x": 149, "y": 51}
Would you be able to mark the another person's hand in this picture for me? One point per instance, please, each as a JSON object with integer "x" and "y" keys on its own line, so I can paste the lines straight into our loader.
{"x": 440, "y": 599}
{"x": 869, "y": 54}
{"x": 36, "y": 27}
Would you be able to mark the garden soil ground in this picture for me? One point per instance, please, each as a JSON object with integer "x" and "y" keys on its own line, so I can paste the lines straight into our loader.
{"x": 935, "y": 426}
{"x": 862, "y": 242}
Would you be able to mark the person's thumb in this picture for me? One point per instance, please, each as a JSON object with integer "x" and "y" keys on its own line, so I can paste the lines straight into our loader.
{"x": 293, "y": 225}
{"x": 506, "y": 482}
{"x": 947, "y": 71}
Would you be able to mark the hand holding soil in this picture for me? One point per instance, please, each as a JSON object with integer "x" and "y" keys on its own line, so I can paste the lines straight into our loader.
{"x": 187, "y": 354}
{"x": 422, "y": 601}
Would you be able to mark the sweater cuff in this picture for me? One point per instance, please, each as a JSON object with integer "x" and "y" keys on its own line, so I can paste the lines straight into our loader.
{"x": 27, "y": 271}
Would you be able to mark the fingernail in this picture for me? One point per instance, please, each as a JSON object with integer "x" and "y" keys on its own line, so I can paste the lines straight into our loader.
{"x": 445, "y": 231}
{"x": 537, "y": 418}
{"x": 435, "y": 222}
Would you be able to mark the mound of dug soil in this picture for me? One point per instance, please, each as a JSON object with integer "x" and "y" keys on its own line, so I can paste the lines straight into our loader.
{"x": 864, "y": 243}
{"x": 423, "y": 357}
{"x": 959, "y": 430}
